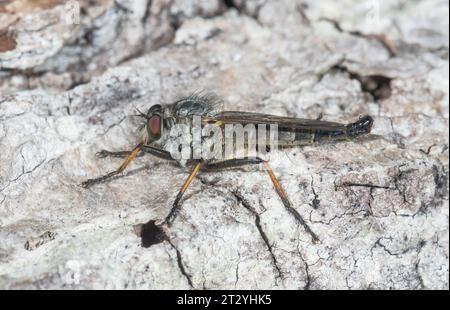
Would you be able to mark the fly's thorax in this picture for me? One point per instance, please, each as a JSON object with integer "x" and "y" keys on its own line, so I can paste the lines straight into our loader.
{"x": 188, "y": 138}
{"x": 177, "y": 138}
{"x": 181, "y": 134}
{"x": 201, "y": 104}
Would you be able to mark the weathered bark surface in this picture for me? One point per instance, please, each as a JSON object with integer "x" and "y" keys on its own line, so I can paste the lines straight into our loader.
{"x": 379, "y": 206}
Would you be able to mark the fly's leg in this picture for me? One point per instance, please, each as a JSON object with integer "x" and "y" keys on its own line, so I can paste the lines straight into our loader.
{"x": 162, "y": 153}
{"x": 131, "y": 156}
{"x": 287, "y": 204}
{"x": 157, "y": 152}
{"x": 279, "y": 189}
{"x": 166, "y": 155}
{"x": 232, "y": 163}
{"x": 206, "y": 166}
{"x": 144, "y": 148}
{"x": 118, "y": 154}
{"x": 176, "y": 205}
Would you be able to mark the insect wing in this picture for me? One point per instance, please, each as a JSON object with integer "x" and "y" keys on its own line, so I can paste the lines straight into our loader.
{"x": 286, "y": 123}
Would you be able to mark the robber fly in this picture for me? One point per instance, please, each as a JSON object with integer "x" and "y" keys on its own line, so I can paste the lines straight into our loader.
{"x": 159, "y": 120}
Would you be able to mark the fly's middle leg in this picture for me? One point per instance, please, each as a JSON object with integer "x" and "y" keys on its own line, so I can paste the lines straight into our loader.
{"x": 176, "y": 205}
{"x": 204, "y": 166}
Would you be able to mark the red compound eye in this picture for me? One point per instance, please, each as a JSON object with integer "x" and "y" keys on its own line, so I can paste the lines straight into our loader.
{"x": 154, "y": 124}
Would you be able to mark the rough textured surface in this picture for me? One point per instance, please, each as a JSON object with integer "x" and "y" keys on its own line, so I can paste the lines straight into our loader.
{"x": 379, "y": 206}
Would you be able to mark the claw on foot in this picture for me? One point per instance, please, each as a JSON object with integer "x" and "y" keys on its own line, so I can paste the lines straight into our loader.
{"x": 87, "y": 183}
{"x": 102, "y": 154}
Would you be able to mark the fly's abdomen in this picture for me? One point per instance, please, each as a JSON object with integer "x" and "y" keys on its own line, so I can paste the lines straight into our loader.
{"x": 303, "y": 137}
{"x": 324, "y": 133}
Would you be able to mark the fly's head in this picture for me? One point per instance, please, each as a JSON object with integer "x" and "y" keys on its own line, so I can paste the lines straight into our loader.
{"x": 152, "y": 129}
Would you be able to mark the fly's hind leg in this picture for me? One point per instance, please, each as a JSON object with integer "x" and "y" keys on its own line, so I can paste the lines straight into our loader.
{"x": 279, "y": 189}
{"x": 232, "y": 163}
{"x": 287, "y": 203}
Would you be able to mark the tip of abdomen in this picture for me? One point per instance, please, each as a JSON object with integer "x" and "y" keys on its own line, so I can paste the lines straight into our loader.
{"x": 360, "y": 127}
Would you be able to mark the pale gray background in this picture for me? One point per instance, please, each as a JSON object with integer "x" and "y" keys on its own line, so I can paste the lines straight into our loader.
{"x": 380, "y": 207}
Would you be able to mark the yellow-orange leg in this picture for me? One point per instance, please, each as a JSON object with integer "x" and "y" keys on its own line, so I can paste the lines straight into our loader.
{"x": 133, "y": 154}
{"x": 176, "y": 205}
{"x": 286, "y": 202}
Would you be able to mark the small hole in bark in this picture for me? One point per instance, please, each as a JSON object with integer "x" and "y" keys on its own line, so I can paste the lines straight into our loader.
{"x": 230, "y": 4}
{"x": 378, "y": 86}
{"x": 150, "y": 234}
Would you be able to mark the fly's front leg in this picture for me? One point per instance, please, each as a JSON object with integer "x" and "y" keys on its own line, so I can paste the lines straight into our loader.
{"x": 279, "y": 189}
{"x": 131, "y": 156}
{"x": 157, "y": 152}
{"x": 144, "y": 148}
{"x": 117, "y": 154}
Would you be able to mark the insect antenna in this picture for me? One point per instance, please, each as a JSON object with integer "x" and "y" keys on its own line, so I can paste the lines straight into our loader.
{"x": 140, "y": 114}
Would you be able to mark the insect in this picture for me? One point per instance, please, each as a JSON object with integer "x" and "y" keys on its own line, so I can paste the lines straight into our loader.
{"x": 157, "y": 140}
